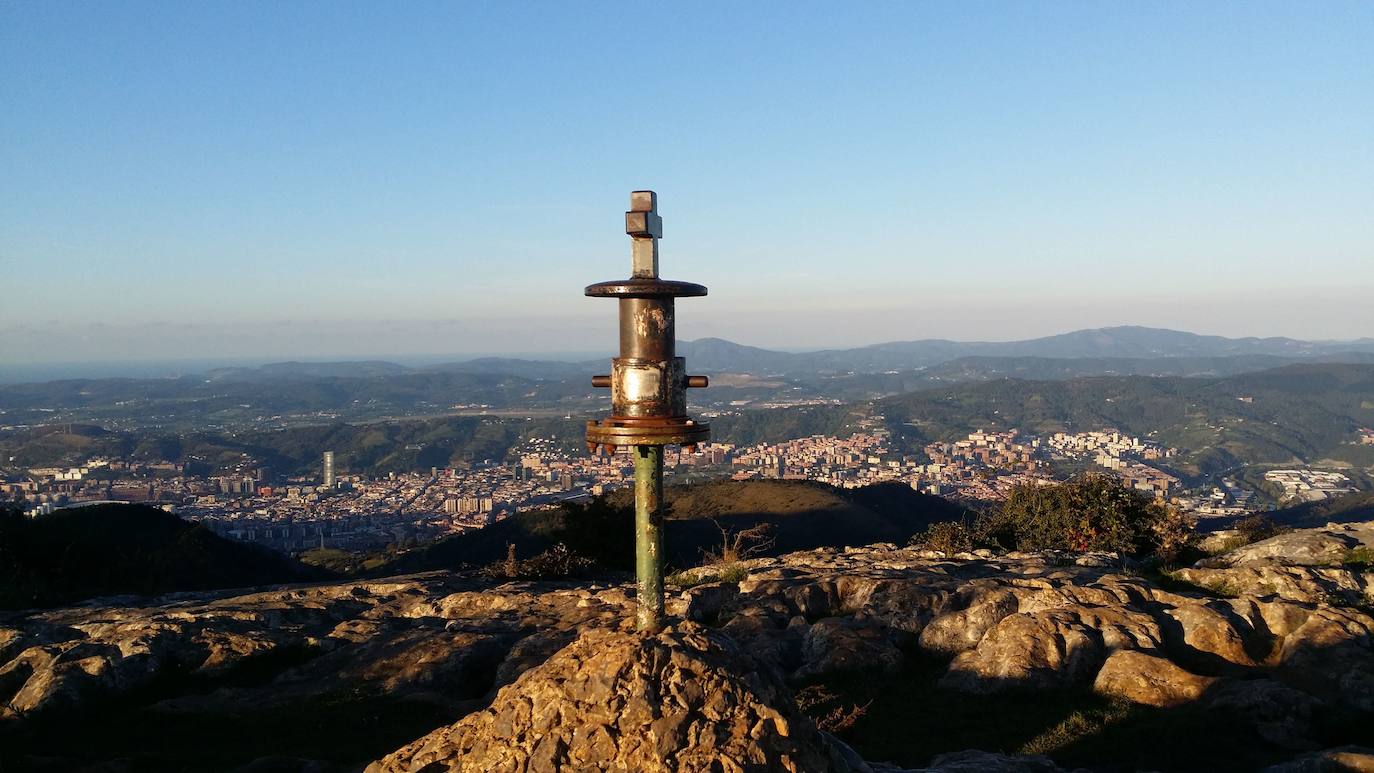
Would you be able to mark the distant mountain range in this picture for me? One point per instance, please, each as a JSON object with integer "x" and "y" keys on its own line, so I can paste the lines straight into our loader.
{"x": 1111, "y": 342}
{"x": 1119, "y": 348}
{"x": 306, "y": 393}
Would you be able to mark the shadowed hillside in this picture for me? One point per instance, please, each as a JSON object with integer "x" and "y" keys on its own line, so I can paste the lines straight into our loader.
{"x": 112, "y": 549}
{"x": 804, "y": 515}
{"x": 1354, "y": 507}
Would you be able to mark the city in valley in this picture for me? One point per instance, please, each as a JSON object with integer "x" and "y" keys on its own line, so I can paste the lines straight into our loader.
{"x": 343, "y": 510}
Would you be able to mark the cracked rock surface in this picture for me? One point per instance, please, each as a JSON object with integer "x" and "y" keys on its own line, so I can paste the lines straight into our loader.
{"x": 538, "y": 675}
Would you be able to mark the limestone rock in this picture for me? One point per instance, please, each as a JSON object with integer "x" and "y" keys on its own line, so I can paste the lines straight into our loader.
{"x": 1274, "y": 580}
{"x": 962, "y": 629}
{"x": 1061, "y": 647}
{"x": 1214, "y": 634}
{"x": 686, "y": 699}
{"x": 1281, "y": 715}
{"x": 844, "y": 645}
{"x": 1331, "y": 656}
{"x": 1342, "y": 759}
{"x": 1149, "y": 679}
{"x": 1322, "y": 546}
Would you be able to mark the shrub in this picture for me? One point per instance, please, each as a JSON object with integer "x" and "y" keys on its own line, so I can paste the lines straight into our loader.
{"x": 736, "y": 546}
{"x": 556, "y": 563}
{"x": 948, "y": 537}
{"x": 1093, "y": 512}
{"x": 1174, "y": 536}
{"x": 1257, "y": 527}
{"x": 825, "y": 706}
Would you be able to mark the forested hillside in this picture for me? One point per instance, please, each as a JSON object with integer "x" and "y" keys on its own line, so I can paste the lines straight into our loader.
{"x": 1290, "y": 414}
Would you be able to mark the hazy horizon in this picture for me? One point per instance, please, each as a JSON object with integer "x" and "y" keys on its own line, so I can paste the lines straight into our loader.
{"x": 18, "y": 371}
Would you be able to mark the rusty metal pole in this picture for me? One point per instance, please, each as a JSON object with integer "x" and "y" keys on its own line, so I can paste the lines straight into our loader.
{"x": 649, "y": 536}
{"x": 648, "y": 384}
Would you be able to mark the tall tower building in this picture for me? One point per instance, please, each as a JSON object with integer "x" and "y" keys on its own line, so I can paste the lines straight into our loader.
{"x": 329, "y": 469}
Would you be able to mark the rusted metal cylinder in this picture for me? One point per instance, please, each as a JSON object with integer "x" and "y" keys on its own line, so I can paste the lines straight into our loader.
{"x": 648, "y": 330}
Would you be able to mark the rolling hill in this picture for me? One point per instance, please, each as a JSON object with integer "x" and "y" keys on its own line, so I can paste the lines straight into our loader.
{"x": 803, "y": 515}
{"x": 297, "y": 393}
{"x": 104, "y": 550}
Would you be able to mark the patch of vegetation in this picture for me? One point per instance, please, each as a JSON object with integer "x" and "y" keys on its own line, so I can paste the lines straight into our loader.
{"x": 949, "y": 538}
{"x": 1090, "y": 513}
{"x": 342, "y": 562}
{"x": 840, "y": 718}
{"x": 1361, "y": 559}
{"x": 732, "y": 573}
{"x": 1079, "y": 725}
{"x": 1171, "y": 581}
{"x": 800, "y": 515}
{"x": 1222, "y": 589}
{"x": 737, "y": 545}
{"x": 556, "y": 563}
{"x": 1257, "y": 527}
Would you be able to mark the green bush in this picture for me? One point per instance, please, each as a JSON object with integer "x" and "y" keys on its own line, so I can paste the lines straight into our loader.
{"x": 1257, "y": 527}
{"x": 1091, "y": 513}
{"x": 948, "y": 537}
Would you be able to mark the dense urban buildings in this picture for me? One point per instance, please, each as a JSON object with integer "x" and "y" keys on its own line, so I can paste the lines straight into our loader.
{"x": 342, "y": 509}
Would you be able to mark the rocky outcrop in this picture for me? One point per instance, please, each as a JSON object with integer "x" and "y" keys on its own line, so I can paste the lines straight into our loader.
{"x": 1325, "y": 546}
{"x": 1328, "y": 565}
{"x": 1343, "y": 759}
{"x": 476, "y": 652}
{"x": 1149, "y": 680}
{"x": 434, "y": 634}
{"x": 684, "y": 700}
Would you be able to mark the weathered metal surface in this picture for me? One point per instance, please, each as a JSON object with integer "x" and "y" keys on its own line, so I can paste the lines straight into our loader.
{"x": 649, "y": 536}
{"x": 630, "y": 432}
{"x": 647, "y": 380}
{"x": 645, "y": 287}
{"x": 648, "y": 329}
{"x": 645, "y": 228}
{"x": 648, "y": 383}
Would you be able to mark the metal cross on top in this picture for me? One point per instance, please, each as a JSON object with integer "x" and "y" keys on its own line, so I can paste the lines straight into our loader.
{"x": 648, "y": 384}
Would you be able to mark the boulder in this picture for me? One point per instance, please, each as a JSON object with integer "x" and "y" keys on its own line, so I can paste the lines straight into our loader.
{"x": 1211, "y": 635}
{"x": 1057, "y": 648}
{"x": 1149, "y": 680}
{"x": 1342, "y": 759}
{"x": 847, "y": 645}
{"x": 1280, "y": 715}
{"x": 1322, "y": 546}
{"x": 686, "y": 699}
{"x": 962, "y": 629}
{"x": 1331, "y": 656}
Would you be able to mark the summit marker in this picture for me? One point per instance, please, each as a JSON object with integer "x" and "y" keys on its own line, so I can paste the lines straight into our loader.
{"x": 648, "y": 383}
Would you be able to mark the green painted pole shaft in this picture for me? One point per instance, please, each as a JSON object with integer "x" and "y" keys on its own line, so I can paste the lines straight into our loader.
{"x": 649, "y": 536}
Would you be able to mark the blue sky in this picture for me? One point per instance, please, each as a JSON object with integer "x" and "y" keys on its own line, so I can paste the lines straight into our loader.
{"x": 328, "y": 179}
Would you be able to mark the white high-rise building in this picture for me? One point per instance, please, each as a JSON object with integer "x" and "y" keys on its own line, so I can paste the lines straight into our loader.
{"x": 329, "y": 469}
